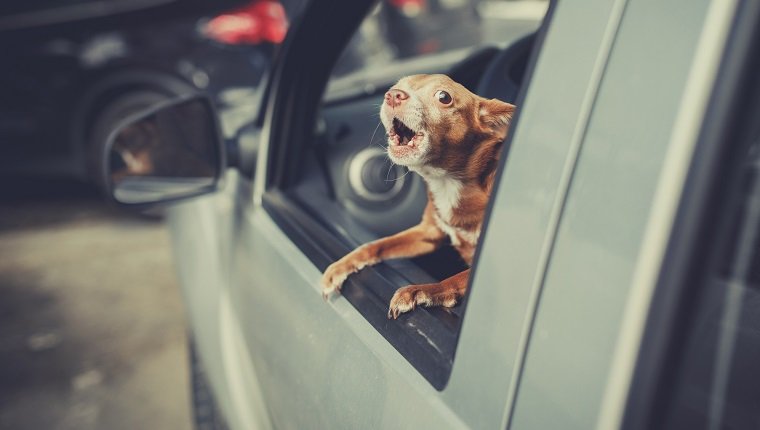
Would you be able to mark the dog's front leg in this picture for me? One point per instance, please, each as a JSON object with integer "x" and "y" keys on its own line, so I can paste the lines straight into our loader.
{"x": 445, "y": 293}
{"x": 421, "y": 239}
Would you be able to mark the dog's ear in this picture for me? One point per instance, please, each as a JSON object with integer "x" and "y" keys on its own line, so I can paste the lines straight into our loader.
{"x": 495, "y": 115}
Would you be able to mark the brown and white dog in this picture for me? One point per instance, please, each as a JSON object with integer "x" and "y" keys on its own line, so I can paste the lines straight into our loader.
{"x": 453, "y": 139}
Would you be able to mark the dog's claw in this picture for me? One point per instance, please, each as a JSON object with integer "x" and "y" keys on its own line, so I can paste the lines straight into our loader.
{"x": 404, "y": 300}
{"x": 332, "y": 280}
{"x": 334, "y": 277}
{"x": 327, "y": 291}
{"x": 394, "y": 313}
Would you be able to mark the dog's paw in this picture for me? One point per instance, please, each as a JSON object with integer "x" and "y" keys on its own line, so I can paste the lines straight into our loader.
{"x": 406, "y": 299}
{"x": 334, "y": 277}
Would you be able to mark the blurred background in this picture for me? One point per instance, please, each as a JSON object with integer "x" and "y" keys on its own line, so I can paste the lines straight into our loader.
{"x": 92, "y": 332}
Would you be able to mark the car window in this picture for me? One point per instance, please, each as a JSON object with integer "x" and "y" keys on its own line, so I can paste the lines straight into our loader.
{"x": 717, "y": 378}
{"x": 344, "y": 192}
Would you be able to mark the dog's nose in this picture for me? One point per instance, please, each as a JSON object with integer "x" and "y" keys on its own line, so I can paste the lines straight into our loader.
{"x": 395, "y": 97}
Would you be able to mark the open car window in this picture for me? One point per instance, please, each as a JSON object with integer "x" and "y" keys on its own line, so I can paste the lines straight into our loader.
{"x": 343, "y": 192}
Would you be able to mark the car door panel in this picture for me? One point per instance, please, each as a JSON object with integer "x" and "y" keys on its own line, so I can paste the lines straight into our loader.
{"x": 321, "y": 364}
{"x": 202, "y": 233}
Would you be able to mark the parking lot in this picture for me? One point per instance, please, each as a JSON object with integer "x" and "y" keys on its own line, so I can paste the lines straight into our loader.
{"x": 91, "y": 324}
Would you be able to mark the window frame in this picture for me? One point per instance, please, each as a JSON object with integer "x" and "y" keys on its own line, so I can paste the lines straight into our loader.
{"x": 293, "y": 100}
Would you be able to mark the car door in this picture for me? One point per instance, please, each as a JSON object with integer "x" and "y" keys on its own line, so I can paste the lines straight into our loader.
{"x": 341, "y": 363}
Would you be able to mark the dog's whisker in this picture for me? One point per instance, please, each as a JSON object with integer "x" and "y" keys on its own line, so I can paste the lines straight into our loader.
{"x": 394, "y": 180}
{"x": 372, "y": 139}
{"x": 389, "y": 171}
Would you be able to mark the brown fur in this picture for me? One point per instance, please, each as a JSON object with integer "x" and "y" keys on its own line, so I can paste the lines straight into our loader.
{"x": 460, "y": 141}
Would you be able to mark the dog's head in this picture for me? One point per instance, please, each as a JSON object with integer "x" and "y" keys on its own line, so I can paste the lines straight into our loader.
{"x": 435, "y": 122}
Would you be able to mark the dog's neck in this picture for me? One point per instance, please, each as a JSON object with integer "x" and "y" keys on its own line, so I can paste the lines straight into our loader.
{"x": 445, "y": 192}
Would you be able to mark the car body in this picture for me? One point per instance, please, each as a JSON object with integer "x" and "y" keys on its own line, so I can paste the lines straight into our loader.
{"x": 600, "y": 236}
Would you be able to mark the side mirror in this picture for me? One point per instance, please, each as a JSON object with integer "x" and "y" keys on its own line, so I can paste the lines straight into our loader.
{"x": 171, "y": 152}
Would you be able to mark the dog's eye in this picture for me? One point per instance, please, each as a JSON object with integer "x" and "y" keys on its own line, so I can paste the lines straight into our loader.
{"x": 444, "y": 97}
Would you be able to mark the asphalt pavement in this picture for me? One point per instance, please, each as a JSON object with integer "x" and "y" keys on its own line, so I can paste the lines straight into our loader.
{"x": 92, "y": 334}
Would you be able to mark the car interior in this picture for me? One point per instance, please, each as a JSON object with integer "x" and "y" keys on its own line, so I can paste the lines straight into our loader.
{"x": 348, "y": 193}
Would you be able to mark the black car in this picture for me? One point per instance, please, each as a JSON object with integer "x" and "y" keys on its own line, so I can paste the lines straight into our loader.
{"x": 62, "y": 91}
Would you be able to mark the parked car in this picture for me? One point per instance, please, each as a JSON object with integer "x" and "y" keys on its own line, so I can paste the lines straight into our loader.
{"x": 615, "y": 284}
{"x": 62, "y": 91}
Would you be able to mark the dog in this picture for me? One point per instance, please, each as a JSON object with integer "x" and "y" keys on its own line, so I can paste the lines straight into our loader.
{"x": 453, "y": 139}
{"x": 132, "y": 150}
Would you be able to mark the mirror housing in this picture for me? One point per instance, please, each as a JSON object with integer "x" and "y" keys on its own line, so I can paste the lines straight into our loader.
{"x": 171, "y": 152}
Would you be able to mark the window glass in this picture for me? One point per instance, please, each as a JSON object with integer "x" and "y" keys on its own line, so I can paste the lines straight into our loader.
{"x": 717, "y": 382}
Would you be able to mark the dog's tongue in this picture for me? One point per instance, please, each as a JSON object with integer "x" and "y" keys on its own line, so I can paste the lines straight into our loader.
{"x": 404, "y": 133}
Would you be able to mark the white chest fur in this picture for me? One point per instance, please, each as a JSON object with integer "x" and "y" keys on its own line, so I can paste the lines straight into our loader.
{"x": 450, "y": 231}
{"x": 445, "y": 191}
{"x": 457, "y": 235}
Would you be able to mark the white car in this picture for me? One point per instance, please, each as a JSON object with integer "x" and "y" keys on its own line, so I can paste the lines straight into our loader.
{"x": 615, "y": 284}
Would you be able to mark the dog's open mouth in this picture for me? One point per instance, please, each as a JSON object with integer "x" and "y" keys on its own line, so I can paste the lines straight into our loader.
{"x": 402, "y": 135}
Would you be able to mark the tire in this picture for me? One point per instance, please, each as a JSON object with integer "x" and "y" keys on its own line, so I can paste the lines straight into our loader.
{"x": 206, "y": 414}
